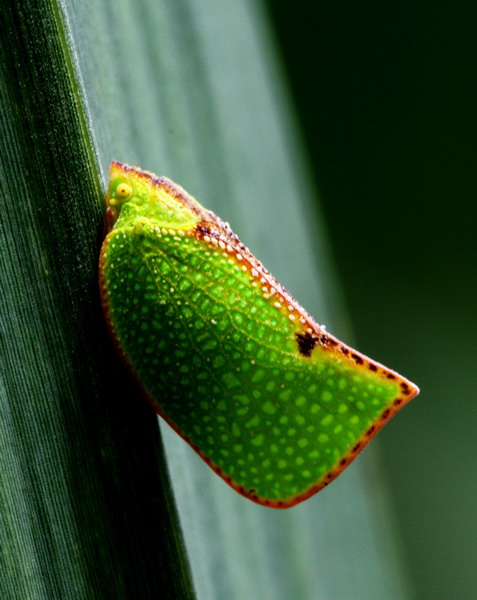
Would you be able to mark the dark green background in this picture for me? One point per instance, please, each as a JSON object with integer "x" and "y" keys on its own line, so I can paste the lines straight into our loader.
{"x": 387, "y": 97}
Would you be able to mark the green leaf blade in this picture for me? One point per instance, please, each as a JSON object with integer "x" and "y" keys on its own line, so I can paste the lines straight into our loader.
{"x": 195, "y": 91}
{"x": 79, "y": 509}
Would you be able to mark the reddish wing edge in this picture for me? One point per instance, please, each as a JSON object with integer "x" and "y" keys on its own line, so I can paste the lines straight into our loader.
{"x": 408, "y": 389}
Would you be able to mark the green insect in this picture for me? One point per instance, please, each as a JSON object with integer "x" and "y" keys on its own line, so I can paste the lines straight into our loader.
{"x": 274, "y": 404}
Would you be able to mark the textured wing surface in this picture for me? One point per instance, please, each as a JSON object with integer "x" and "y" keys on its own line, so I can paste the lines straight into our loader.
{"x": 276, "y": 406}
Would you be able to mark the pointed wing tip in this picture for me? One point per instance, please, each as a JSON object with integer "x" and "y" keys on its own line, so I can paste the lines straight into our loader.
{"x": 409, "y": 389}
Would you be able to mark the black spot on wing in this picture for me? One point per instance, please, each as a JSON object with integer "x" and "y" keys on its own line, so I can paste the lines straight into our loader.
{"x": 306, "y": 342}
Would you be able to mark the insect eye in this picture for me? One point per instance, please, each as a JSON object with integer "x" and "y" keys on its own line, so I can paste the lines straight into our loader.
{"x": 123, "y": 191}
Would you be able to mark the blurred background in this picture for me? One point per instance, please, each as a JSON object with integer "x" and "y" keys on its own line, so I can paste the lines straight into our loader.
{"x": 386, "y": 98}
